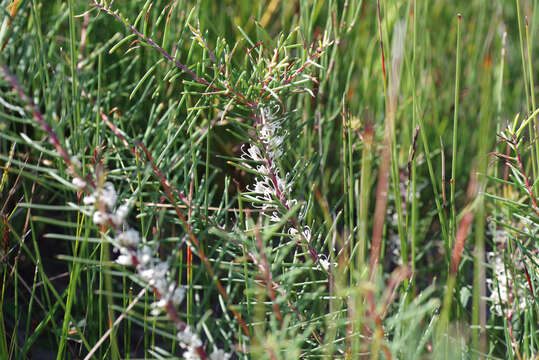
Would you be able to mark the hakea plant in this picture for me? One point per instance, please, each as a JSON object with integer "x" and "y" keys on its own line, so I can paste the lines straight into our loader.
{"x": 272, "y": 189}
{"x": 101, "y": 205}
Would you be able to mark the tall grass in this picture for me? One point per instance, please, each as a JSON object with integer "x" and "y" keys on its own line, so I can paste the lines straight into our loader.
{"x": 268, "y": 179}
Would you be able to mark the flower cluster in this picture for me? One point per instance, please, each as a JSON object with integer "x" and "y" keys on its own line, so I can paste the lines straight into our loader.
{"x": 134, "y": 252}
{"x": 271, "y": 190}
{"x": 192, "y": 343}
{"x": 502, "y": 284}
{"x": 130, "y": 246}
{"x": 502, "y": 287}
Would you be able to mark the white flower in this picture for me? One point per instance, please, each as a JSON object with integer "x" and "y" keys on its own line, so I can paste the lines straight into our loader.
{"x": 161, "y": 269}
{"x": 170, "y": 293}
{"x": 253, "y": 153}
{"x": 268, "y": 134}
{"x": 178, "y": 293}
{"x": 76, "y": 162}
{"x": 126, "y": 260}
{"x": 155, "y": 274}
{"x": 262, "y": 188}
{"x": 108, "y": 195}
{"x": 158, "y": 306}
{"x": 324, "y": 263}
{"x": 270, "y": 113}
{"x": 144, "y": 255}
{"x": 191, "y": 354}
{"x": 188, "y": 339}
{"x": 161, "y": 285}
{"x": 148, "y": 275}
{"x": 155, "y": 310}
{"x": 282, "y": 184}
{"x": 89, "y": 200}
{"x": 129, "y": 238}
{"x": 78, "y": 183}
{"x": 291, "y": 203}
{"x": 275, "y": 216}
{"x": 100, "y": 217}
{"x": 263, "y": 170}
{"x": 307, "y": 233}
{"x": 220, "y": 354}
{"x": 121, "y": 213}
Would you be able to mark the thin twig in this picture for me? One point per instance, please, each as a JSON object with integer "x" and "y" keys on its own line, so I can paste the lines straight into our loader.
{"x": 116, "y": 322}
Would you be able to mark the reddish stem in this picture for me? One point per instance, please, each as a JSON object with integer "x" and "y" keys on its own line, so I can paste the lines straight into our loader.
{"x": 521, "y": 167}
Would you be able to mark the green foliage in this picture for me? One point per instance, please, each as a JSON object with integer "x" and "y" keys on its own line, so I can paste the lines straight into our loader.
{"x": 250, "y": 141}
